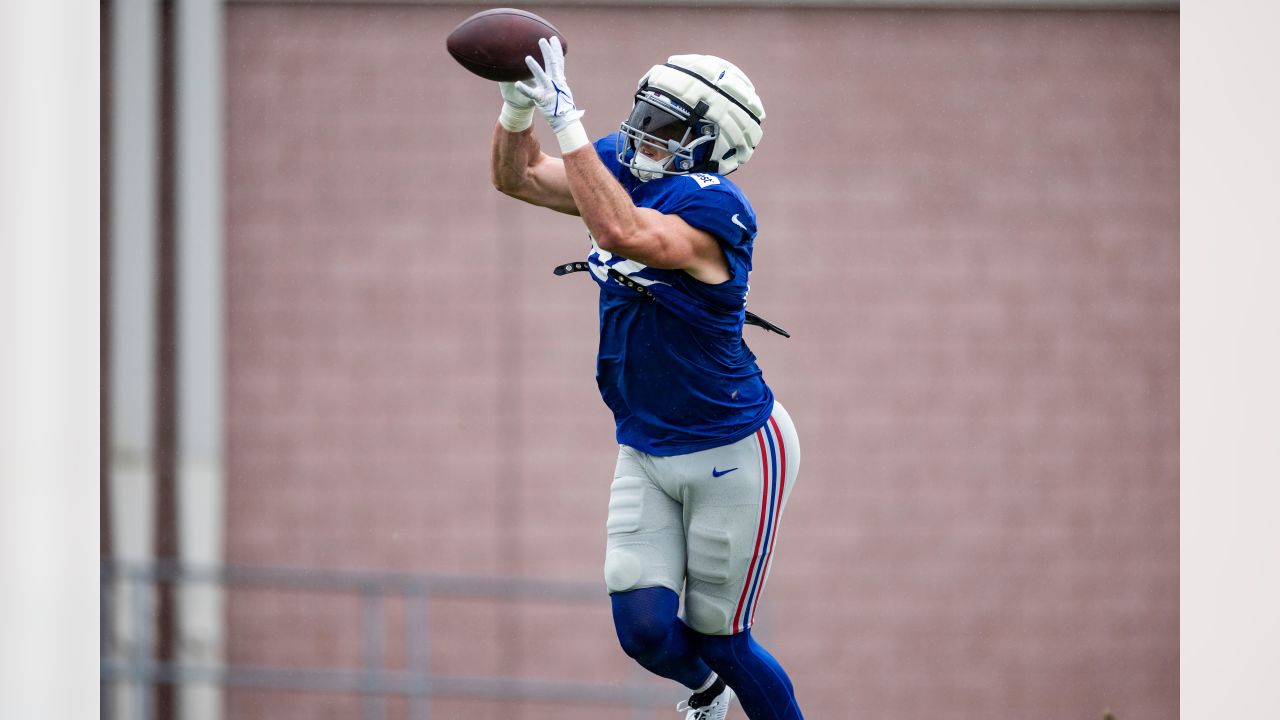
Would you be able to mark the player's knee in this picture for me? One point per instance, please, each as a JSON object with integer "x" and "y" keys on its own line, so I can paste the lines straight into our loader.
{"x": 705, "y": 612}
{"x": 643, "y": 619}
{"x": 641, "y": 636}
{"x": 622, "y": 569}
{"x": 719, "y": 649}
{"x": 707, "y": 618}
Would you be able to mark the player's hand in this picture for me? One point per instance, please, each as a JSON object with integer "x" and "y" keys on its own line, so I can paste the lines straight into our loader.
{"x": 513, "y": 97}
{"x": 549, "y": 90}
{"x": 517, "y": 108}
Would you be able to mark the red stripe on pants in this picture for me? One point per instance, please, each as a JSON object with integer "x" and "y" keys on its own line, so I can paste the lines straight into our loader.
{"x": 764, "y": 507}
{"x": 777, "y": 517}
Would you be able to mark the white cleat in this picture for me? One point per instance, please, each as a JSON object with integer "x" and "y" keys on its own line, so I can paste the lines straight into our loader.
{"x": 717, "y": 709}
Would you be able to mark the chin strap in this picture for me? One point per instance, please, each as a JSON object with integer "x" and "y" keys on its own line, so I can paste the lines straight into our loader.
{"x": 580, "y": 266}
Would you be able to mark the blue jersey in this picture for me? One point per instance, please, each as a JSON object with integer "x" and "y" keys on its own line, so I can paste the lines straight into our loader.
{"x": 673, "y": 366}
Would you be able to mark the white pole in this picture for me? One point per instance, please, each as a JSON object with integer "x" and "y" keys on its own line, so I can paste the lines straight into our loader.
{"x": 49, "y": 350}
{"x": 198, "y": 26}
{"x": 134, "y": 147}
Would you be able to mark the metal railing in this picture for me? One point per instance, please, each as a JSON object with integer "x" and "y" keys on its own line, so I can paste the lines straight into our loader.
{"x": 139, "y": 670}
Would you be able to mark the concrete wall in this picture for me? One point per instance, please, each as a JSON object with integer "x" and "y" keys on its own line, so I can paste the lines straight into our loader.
{"x": 969, "y": 223}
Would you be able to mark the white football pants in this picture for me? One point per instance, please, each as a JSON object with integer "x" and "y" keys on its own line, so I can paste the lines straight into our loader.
{"x": 706, "y": 522}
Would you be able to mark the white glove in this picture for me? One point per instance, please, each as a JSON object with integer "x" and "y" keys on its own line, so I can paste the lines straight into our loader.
{"x": 517, "y": 108}
{"x": 550, "y": 92}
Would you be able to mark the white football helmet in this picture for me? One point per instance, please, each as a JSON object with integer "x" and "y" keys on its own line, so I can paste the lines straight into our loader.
{"x": 701, "y": 109}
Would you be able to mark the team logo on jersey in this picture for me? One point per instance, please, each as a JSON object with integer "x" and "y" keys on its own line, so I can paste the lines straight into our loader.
{"x": 704, "y": 179}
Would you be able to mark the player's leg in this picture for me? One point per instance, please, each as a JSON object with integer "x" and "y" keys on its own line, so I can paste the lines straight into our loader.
{"x": 733, "y": 517}
{"x": 644, "y": 571}
{"x": 761, "y": 685}
{"x": 651, "y": 634}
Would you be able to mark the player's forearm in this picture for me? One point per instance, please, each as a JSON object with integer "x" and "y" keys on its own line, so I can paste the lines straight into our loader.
{"x": 604, "y": 206}
{"x": 514, "y": 153}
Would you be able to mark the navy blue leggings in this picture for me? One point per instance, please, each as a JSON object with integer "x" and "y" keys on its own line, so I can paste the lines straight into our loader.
{"x": 651, "y": 633}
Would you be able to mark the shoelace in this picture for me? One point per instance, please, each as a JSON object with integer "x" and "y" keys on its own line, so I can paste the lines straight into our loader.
{"x": 702, "y": 713}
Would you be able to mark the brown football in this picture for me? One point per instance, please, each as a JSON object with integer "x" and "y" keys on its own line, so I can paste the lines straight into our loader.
{"x": 494, "y": 43}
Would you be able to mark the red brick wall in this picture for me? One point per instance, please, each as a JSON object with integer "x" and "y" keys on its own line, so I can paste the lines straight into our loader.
{"x": 969, "y": 222}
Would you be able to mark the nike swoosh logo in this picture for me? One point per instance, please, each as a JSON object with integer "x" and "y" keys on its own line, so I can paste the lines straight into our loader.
{"x": 738, "y": 222}
{"x": 718, "y": 473}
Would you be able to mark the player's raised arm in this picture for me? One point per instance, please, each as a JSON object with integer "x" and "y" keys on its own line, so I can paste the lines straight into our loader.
{"x": 641, "y": 234}
{"x": 518, "y": 166}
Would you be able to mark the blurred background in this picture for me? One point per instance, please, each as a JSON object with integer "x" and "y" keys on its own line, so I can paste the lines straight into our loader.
{"x": 354, "y": 460}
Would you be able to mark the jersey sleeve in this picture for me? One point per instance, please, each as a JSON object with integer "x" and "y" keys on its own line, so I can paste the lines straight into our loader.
{"x": 716, "y": 208}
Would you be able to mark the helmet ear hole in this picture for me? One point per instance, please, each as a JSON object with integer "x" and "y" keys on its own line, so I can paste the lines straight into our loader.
{"x": 731, "y": 153}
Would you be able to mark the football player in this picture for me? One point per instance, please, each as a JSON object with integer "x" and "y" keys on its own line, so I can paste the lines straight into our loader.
{"x": 707, "y": 456}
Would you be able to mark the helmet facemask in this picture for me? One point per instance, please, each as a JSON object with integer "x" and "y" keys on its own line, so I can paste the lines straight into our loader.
{"x": 665, "y": 126}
